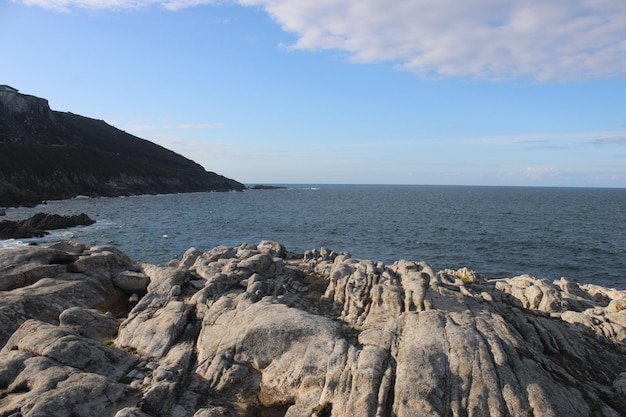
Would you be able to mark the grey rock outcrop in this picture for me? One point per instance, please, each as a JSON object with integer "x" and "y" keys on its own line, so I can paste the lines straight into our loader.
{"x": 252, "y": 330}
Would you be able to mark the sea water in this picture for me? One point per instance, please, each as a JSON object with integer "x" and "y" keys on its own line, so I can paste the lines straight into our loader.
{"x": 577, "y": 233}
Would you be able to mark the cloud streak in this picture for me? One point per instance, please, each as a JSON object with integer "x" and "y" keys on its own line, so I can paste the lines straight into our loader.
{"x": 529, "y": 141}
{"x": 482, "y": 39}
{"x": 141, "y": 128}
{"x": 618, "y": 140}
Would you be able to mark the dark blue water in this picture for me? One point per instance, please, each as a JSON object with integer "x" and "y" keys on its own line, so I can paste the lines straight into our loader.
{"x": 497, "y": 231}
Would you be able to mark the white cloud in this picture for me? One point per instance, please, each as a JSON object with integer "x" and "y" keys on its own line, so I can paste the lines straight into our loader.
{"x": 66, "y": 5}
{"x": 541, "y": 173}
{"x": 488, "y": 39}
{"x": 485, "y": 39}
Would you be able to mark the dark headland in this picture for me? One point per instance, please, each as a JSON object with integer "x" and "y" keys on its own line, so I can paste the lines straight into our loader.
{"x": 48, "y": 155}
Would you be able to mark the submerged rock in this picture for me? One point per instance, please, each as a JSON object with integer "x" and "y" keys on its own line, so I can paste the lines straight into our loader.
{"x": 251, "y": 330}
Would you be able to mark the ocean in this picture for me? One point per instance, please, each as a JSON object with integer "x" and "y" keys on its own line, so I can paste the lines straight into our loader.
{"x": 577, "y": 233}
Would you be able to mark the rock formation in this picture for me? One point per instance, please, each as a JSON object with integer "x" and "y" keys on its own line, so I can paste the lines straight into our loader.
{"x": 255, "y": 330}
{"x": 46, "y": 155}
{"x": 37, "y": 225}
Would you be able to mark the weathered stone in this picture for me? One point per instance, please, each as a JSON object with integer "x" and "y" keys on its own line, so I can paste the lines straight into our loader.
{"x": 49, "y": 371}
{"x": 89, "y": 323}
{"x": 153, "y": 331}
{"x": 99, "y": 257}
{"x": 189, "y": 258}
{"x": 47, "y": 298}
{"x": 242, "y": 331}
{"x": 260, "y": 263}
{"x": 131, "y": 412}
{"x": 20, "y": 267}
{"x": 274, "y": 249}
{"x": 131, "y": 282}
{"x": 67, "y": 347}
{"x": 41, "y": 283}
{"x": 69, "y": 246}
{"x": 213, "y": 412}
{"x": 215, "y": 254}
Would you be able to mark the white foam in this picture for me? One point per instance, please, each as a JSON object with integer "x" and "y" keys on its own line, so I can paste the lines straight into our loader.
{"x": 12, "y": 243}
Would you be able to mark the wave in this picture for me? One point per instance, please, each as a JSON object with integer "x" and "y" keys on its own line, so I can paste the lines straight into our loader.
{"x": 12, "y": 243}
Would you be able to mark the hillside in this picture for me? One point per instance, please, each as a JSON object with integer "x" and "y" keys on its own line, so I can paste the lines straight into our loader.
{"x": 46, "y": 154}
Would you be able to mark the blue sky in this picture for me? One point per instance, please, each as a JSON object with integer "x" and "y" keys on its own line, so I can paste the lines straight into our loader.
{"x": 487, "y": 92}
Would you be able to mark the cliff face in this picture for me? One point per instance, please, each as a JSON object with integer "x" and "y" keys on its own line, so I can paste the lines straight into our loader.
{"x": 45, "y": 154}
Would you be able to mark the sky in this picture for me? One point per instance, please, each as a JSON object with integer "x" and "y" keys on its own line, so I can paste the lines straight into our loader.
{"x": 481, "y": 92}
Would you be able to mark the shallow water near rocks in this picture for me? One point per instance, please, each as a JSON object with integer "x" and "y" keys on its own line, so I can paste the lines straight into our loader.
{"x": 577, "y": 233}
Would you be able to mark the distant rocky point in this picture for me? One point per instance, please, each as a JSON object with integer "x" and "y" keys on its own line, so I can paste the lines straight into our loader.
{"x": 46, "y": 154}
{"x": 255, "y": 330}
{"x": 267, "y": 187}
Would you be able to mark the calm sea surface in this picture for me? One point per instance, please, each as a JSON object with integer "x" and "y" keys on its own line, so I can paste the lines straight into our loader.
{"x": 497, "y": 231}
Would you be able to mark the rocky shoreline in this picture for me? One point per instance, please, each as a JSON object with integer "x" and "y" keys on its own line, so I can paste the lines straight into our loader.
{"x": 255, "y": 330}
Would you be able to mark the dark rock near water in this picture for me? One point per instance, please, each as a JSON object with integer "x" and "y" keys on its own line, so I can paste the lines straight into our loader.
{"x": 37, "y": 225}
{"x": 46, "y": 221}
{"x": 10, "y": 229}
{"x": 46, "y": 155}
{"x": 255, "y": 331}
{"x": 267, "y": 187}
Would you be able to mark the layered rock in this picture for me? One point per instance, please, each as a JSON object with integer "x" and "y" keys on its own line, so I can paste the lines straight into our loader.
{"x": 255, "y": 330}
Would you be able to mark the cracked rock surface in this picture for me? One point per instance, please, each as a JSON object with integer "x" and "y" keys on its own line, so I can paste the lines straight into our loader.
{"x": 255, "y": 330}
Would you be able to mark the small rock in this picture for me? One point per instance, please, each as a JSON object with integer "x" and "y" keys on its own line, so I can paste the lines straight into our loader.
{"x": 175, "y": 291}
